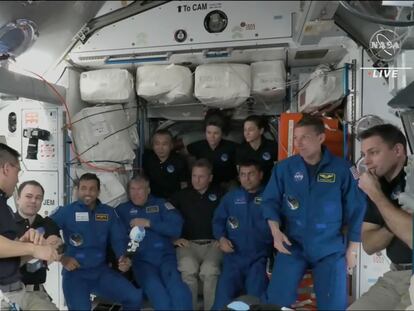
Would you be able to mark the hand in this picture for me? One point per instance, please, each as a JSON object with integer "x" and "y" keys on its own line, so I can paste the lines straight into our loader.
{"x": 181, "y": 242}
{"x": 45, "y": 252}
{"x": 124, "y": 263}
{"x": 225, "y": 245}
{"x": 54, "y": 240}
{"x": 351, "y": 259}
{"x": 368, "y": 182}
{"x": 278, "y": 239}
{"x": 69, "y": 263}
{"x": 140, "y": 222}
{"x": 33, "y": 236}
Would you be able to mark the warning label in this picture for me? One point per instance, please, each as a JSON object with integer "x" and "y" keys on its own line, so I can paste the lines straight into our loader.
{"x": 47, "y": 151}
{"x": 31, "y": 118}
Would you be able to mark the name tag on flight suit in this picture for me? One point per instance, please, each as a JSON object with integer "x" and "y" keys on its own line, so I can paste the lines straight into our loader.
{"x": 82, "y": 216}
{"x": 101, "y": 217}
{"x": 152, "y": 209}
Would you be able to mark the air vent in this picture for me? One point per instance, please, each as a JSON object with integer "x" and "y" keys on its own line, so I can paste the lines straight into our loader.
{"x": 311, "y": 54}
{"x": 89, "y": 58}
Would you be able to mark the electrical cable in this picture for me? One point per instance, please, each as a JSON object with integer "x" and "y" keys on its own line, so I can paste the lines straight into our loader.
{"x": 69, "y": 126}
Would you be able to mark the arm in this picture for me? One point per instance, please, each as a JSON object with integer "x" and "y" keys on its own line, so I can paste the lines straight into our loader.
{"x": 118, "y": 235}
{"x": 9, "y": 248}
{"x": 58, "y": 217}
{"x": 220, "y": 219}
{"x": 52, "y": 234}
{"x": 354, "y": 203}
{"x": 398, "y": 221}
{"x": 219, "y": 226}
{"x": 273, "y": 200}
{"x": 171, "y": 222}
{"x": 375, "y": 238}
{"x": 272, "y": 205}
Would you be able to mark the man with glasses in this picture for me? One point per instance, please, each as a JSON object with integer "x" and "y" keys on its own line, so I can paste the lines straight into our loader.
{"x": 31, "y": 244}
{"x": 315, "y": 211}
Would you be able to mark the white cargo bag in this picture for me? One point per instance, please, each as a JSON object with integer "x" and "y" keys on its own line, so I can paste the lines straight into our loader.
{"x": 106, "y": 86}
{"x": 269, "y": 79}
{"x": 167, "y": 84}
{"x": 101, "y": 135}
{"x": 131, "y": 113}
{"x": 222, "y": 85}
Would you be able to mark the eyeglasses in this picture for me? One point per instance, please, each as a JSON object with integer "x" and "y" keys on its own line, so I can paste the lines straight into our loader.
{"x": 19, "y": 170}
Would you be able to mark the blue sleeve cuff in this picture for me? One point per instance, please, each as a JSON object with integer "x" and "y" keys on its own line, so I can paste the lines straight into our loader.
{"x": 354, "y": 237}
{"x": 270, "y": 213}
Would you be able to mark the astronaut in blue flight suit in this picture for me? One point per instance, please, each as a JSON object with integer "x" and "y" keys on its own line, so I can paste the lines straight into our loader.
{"x": 155, "y": 262}
{"x": 244, "y": 237}
{"x": 315, "y": 200}
{"x": 88, "y": 226}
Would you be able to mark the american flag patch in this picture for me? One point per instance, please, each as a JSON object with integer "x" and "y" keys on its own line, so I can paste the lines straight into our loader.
{"x": 354, "y": 172}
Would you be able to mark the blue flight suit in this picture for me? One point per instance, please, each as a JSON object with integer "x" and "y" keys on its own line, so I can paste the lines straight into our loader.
{"x": 239, "y": 218}
{"x": 312, "y": 213}
{"x": 155, "y": 262}
{"x": 87, "y": 233}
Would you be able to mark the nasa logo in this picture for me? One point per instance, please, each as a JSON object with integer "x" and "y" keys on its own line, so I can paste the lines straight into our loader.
{"x": 170, "y": 168}
{"x": 385, "y": 44}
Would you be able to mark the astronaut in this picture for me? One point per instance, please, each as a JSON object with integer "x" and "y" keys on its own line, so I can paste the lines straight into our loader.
{"x": 315, "y": 212}
{"x": 88, "y": 226}
{"x": 244, "y": 237}
{"x": 155, "y": 262}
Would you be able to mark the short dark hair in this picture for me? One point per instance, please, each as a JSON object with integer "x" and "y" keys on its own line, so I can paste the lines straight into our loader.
{"x": 90, "y": 176}
{"x": 389, "y": 133}
{"x": 29, "y": 183}
{"x": 8, "y": 154}
{"x": 315, "y": 122}
{"x": 164, "y": 132}
{"x": 260, "y": 121}
{"x": 203, "y": 163}
{"x": 251, "y": 162}
{"x": 216, "y": 117}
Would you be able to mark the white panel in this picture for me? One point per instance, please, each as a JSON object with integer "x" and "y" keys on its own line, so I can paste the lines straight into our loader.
{"x": 48, "y": 170}
{"x": 405, "y": 74}
{"x": 375, "y": 95}
{"x": 371, "y": 268}
{"x": 47, "y": 156}
{"x": 154, "y": 30}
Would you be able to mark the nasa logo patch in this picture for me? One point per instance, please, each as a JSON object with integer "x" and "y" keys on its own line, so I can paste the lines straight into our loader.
{"x": 212, "y": 197}
{"x": 170, "y": 168}
{"x": 298, "y": 176}
{"x": 224, "y": 157}
{"x": 266, "y": 156}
